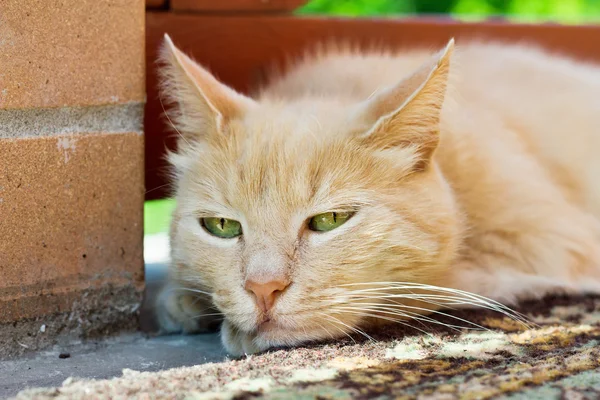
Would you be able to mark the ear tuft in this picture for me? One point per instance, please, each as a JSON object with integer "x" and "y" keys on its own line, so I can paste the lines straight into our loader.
{"x": 200, "y": 104}
{"x": 408, "y": 114}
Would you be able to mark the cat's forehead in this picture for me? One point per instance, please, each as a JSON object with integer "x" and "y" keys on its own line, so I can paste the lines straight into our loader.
{"x": 285, "y": 160}
{"x": 303, "y": 137}
{"x": 300, "y": 120}
{"x": 279, "y": 161}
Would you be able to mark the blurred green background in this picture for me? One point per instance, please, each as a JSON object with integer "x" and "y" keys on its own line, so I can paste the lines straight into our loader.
{"x": 157, "y": 213}
{"x": 563, "y": 11}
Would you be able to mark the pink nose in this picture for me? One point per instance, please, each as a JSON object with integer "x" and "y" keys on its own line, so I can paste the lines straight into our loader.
{"x": 266, "y": 293}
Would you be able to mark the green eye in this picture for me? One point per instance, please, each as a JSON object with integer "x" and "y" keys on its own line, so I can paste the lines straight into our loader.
{"x": 222, "y": 227}
{"x": 328, "y": 221}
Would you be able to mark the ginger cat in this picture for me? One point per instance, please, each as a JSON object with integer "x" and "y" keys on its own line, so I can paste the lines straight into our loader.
{"x": 365, "y": 188}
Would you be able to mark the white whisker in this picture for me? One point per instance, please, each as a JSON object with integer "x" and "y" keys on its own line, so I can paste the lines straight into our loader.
{"x": 326, "y": 330}
{"x": 359, "y": 331}
{"x": 412, "y": 316}
{"x": 207, "y": 315}
{"x": 171, "y": 122}
{"x": 337, "y": 327}
{"x": 190, "y": 290}
{"x": 449, "y": 296}
{"x": 390, "y": 319}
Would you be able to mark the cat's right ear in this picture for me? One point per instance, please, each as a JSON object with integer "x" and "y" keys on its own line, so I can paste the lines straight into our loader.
{"x": 408, "y": 114}
{"x": 201, "y": 105}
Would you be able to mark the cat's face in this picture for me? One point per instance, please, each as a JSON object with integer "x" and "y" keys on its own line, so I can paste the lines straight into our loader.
{"x": 332, "y": 202}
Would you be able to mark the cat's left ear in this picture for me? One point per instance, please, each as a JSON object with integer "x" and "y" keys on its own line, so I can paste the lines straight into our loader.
{"x": 202, "y": 106}
{"x": 408, "y": 114}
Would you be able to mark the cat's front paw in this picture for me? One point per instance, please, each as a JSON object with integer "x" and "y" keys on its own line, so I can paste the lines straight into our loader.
{"x": 239, "y": 343}
{"x": 179, "y": 311}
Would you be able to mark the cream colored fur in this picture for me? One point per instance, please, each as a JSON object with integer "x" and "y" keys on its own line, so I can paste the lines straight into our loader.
{"x": 474, "y": 170}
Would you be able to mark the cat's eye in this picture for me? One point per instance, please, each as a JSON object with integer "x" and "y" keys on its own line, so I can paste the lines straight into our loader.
{"x": 328, "y": 221}
{"x": 222, "y": 227}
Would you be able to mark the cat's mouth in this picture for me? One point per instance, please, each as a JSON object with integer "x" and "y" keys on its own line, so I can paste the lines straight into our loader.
{"x": 278, "y": 334}
{"x": 267, "y": 325}
{"x": 271, "y": 326}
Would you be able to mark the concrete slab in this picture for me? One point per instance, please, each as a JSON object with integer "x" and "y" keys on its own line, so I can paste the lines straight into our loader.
{"x": 107, "y": 359}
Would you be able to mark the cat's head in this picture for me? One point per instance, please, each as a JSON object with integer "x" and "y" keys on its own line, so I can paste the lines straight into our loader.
{"x": 299, "y": 217}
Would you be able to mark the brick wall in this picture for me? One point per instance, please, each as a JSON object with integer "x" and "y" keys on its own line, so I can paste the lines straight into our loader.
{"x": 72, "y": 90}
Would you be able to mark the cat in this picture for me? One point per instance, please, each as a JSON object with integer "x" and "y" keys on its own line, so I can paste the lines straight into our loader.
{"x": 362, "y": 188}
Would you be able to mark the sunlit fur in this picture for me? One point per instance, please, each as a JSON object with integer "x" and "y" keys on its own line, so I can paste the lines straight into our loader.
{"x": 474, "y": 170}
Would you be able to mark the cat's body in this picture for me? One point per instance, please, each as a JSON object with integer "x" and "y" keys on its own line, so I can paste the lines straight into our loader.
{"x": 503, "y": 201}
{"x": 520, "y": 140}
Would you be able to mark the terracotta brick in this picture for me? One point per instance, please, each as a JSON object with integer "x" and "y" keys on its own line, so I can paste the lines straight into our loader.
{"x": 71, "y": 220}
{"x": 67, "y": 53}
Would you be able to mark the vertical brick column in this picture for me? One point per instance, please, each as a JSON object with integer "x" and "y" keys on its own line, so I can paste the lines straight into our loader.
{"x": 72, "y": 90}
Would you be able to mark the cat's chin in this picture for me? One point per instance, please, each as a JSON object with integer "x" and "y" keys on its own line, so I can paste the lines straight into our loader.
{"x": 238, "y": 342}
{"x": 267, "y": 326}
{"x": 266, "y": 336}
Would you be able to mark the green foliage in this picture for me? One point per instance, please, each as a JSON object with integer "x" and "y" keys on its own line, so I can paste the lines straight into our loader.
{"x": 566, "y": 11}
{"x": 157, "y": 215}
{"x": 358, "y": 7}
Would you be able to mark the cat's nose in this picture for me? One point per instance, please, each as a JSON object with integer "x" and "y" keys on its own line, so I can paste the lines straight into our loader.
{"x": 266, "y": 293}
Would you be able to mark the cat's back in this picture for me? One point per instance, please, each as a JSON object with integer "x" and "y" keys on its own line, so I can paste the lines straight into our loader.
{"x": 551, "y": 102}
{"x": 480, "y": 70}
{"x": 521, "y": 82}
